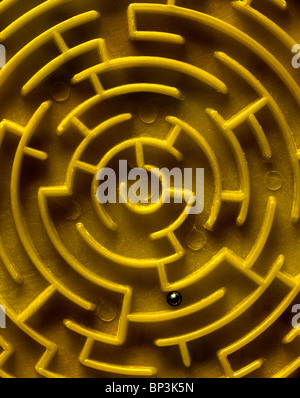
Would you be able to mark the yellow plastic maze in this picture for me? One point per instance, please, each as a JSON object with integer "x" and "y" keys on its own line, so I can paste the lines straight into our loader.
{"x": 101, "y": 290}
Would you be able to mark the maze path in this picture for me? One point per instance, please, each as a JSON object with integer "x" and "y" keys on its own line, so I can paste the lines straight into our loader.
{"x": 53, "y": 33}
{"x": 108, "y": 273}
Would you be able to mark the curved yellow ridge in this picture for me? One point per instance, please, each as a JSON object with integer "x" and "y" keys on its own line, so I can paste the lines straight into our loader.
{"x": 287, "y": 370}
{"x": 8, "y": 350}
{"x": 149, "y": 209}
{"x": 11, "y": 268}
{"x": 288, "y": 338}
{"x": 240, "y": 159}
{"x": 59, "y": 61}
{"x": 28, "y": 131}
{"x": 66, "y": 190}
{"x": 26, "y": 18}
{"x": 260, "y": 137}
{"x": 279, "y": 3}
{"x": 154, "y": 62}
{"x": 51, "y": 347}
{"x": 236, "y": 312}
{"x": 160, "y": 316}
{"x": 164, "y": 37}
{"x": 43, "y": 38}
{"x": 282, "y": 4}
{"x": 280, "y": 120}
{"x": 112, "y": 368}
{"x": 278, "y": 32}
{"x": 114, "y": 92}
{"x": 225, "y": 352}
{"x": 228, "y": 30}
{"x": 5, "y": 4}
{"x": 209, "y": 153}
{"x": 122, "y": 260}
{"x": 13, "y": 128}
{"x": 134, "y": 142}
{"x": 225, "y": 254}
{"x": 169, "y": 230}
{"x": 117, "y": 339}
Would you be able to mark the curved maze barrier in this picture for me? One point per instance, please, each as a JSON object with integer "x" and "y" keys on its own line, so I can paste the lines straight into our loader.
{"x": 162, "y": 84}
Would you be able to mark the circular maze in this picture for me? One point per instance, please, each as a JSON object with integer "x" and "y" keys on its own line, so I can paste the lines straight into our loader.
{"x": 124, "y": 289}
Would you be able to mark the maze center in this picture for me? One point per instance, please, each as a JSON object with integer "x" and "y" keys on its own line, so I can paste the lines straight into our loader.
{"x": 105, "y": 290}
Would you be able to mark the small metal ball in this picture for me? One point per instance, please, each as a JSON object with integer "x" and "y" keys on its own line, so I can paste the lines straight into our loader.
{"x": 174, "y": 299}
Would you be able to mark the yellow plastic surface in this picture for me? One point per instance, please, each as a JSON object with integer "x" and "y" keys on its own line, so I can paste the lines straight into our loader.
{"x": 183, "y": 83}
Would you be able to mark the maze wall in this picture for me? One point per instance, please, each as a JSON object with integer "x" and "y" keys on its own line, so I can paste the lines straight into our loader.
{"x": 185, "y": 83}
